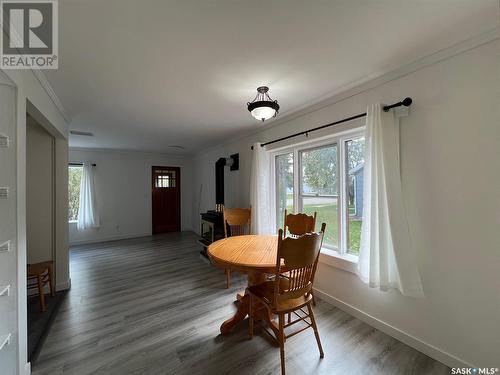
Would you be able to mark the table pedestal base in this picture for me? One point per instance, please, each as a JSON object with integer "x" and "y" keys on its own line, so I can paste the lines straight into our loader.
{"x": 259, "y": 312}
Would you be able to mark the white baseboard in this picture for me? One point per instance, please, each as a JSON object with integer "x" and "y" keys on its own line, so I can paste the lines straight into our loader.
{"x": 110, "y": 238}
{"x": 448, "y": 359}
{"x": 64, "y": 285}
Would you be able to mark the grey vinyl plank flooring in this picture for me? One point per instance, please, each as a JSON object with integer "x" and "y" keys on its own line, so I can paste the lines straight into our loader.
{"x": 151, "y": 306}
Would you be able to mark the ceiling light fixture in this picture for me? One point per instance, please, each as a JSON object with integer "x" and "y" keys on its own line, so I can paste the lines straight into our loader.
{"x": 263, "y": 107}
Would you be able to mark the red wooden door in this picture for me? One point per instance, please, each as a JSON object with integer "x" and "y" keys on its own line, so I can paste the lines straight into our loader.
{"x": 166, "y": 198}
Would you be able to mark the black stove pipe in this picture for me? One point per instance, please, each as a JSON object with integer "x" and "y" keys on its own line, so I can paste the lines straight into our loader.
{"x": 219, "y": 183}
{"x": 233, "y": 162}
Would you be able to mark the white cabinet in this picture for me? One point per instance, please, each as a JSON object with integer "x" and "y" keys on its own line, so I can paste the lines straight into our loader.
{"x": 8, "y": 230}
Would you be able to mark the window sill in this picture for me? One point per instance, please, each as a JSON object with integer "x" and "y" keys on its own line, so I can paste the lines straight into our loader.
{"x": 73, "y": 221}
{"x": 346, "y": 262}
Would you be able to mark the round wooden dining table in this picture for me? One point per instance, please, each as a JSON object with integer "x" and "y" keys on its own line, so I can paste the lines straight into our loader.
{"x": 254, "y": 255}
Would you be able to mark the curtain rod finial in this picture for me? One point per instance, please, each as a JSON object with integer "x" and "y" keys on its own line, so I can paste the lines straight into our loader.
{"x": 407, "y": 101}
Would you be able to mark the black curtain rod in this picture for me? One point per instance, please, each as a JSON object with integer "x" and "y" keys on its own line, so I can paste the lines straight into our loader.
{"x": 79, "y": 164}
{"x": 405, "y": 102}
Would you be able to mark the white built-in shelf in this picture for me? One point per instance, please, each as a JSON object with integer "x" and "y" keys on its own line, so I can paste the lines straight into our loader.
{"x": 4, "y": 340}
{"x": 4, "y": 290}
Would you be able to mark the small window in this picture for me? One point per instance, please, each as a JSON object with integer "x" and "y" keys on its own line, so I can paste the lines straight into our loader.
{"x": 74, "y": 179}
{"x": 165, "y": 179}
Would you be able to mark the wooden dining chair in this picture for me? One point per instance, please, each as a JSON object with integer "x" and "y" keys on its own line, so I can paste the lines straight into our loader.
{"x": 297, "y": 225}
{"x": 237, "y": 222}
{"x": 39, "y": 275}
{"x": 290, "y": 291}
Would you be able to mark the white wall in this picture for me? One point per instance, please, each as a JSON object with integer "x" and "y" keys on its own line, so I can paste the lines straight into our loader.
{"x": 450, "y": 175}
{"x": 123, "y": 190}
{"x": 39, "y": 193}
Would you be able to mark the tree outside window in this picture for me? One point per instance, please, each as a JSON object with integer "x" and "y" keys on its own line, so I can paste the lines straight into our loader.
{"x": 74, "y": 179}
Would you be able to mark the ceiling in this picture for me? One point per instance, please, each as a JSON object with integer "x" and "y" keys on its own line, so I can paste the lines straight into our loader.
{"x": 147, "y": 74}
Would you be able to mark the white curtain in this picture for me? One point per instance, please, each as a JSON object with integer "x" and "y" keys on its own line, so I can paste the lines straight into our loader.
{"x": 386, "y": 258}
{"x": 88, "y": 216}
{"x": 260, "y": 191}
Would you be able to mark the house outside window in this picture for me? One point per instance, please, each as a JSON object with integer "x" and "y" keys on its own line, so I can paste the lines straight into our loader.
{"x": 325, "y": 177}
{"x": 74, "y": 179}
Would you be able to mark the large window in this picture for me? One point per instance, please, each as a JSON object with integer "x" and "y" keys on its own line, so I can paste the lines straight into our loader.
{"x": 74, "y": 178}
{"x": 326, "y": 178}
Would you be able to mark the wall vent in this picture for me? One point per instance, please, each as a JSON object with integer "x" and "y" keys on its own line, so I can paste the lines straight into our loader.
{"x": 78, "y": 132}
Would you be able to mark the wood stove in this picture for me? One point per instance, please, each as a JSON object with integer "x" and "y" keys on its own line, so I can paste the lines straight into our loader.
{"x": 212, "y": 226}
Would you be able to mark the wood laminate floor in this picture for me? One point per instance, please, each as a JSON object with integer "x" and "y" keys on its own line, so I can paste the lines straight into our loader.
{"x": 152, "y": 306}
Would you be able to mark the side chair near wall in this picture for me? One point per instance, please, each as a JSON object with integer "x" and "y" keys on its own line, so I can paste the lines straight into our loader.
{"x": 39, "y": 275}
{"x": 290, "y": 291}
{"x": 297, "y": 225}
{"x": 237, "y": 222}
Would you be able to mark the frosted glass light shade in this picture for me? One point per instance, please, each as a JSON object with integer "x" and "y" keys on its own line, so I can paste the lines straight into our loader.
{"x": 263, "y": 113}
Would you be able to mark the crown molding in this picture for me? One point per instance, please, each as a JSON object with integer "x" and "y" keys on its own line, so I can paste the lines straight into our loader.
{"x": 379, "y": 78}
{"x": 369, "y": 82}
{"x": 42, "y": 78}
{"x": 128, "y": 151}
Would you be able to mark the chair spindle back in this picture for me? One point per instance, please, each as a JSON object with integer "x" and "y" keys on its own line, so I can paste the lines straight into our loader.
{"x": 296, "y": 262}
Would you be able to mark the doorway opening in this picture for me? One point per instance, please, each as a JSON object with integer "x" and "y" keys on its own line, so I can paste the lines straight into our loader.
{"x": 41, "y": 233}
{"x": 166, "y": 199}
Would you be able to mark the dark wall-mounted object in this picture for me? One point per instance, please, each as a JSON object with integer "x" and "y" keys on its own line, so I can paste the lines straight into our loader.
{"x": 236, "y": 162}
